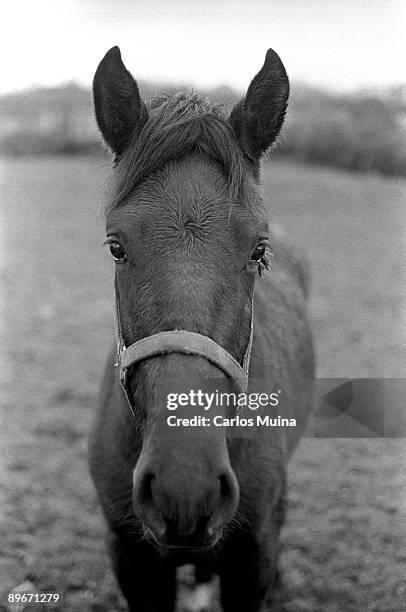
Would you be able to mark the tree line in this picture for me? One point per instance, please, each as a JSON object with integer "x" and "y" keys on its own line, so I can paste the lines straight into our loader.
{"x": 363, "y": 131}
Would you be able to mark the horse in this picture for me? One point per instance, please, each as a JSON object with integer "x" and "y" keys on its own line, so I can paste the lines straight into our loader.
{"x": 190, "y": 239}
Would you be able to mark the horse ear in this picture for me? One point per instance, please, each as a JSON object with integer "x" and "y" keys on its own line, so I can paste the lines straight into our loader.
{"x": 258, "y": 118}
{"x": 119, "y": 109}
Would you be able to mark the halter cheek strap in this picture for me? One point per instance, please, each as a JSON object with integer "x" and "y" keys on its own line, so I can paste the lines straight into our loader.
{"x": 180, "y": 341}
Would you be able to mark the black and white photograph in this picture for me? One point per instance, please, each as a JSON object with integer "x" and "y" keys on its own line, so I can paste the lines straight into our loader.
{"x": 202, "y": 306}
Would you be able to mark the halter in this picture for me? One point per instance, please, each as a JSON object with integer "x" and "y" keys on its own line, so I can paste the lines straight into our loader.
{"x": 180, "y": 341}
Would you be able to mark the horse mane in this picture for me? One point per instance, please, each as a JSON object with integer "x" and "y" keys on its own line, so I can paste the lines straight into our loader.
{"x": 179, "y": 125}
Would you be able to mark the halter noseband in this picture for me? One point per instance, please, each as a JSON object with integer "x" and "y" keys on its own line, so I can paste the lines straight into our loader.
{"x": 180, "y": 341}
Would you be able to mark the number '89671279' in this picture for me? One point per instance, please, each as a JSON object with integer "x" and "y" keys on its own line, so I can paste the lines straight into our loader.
{"x": 33, "y": 597}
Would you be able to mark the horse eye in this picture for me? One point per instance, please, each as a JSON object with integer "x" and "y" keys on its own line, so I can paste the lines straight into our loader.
{"x": 258, "y": 253}
{"x": 117, "y": 251}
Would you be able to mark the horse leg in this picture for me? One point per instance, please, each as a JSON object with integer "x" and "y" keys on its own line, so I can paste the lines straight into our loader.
{"x": 249, "y": 576}
{"x": 146, "y": 581}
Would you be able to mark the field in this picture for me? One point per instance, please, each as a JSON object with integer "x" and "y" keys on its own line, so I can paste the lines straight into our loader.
{"x": 345, "y": 538}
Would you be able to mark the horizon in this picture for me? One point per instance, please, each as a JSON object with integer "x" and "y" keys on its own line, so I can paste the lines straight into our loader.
{"x": 361, "y": 90}
{"x": 328, "y": 45}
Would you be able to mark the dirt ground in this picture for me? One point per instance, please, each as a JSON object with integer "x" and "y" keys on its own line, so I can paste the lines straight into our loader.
{"x": 345, "y": 537}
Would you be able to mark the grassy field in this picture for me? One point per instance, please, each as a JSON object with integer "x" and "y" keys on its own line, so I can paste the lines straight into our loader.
{"x": 345, "y": 538}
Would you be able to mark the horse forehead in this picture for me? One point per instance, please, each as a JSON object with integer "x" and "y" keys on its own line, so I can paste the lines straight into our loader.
{"x": 187, "y": 183}
{"x": 193, "y": 189}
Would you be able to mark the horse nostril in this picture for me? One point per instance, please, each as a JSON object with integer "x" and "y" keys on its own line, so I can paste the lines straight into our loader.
{"x": 229, "y": 492}
{"x": 201, "y": 526}
{"x": 143, "y": 492}
{"x": 146, "y": 488}
{"x": 225, "y": 489}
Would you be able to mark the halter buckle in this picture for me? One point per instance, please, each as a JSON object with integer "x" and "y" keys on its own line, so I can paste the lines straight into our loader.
{"x": 120, "y": 351}
{"x": 123, "y": 370}
{"x": 123, "y": 377}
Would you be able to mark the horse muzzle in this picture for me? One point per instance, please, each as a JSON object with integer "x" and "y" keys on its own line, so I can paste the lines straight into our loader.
{"x": 185, "y": 496}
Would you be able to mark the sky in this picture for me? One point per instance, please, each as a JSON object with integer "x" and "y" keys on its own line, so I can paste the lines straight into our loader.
{"x": 338, "y": 45}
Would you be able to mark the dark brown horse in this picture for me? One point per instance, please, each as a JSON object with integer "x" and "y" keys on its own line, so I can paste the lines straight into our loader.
{"x": 189, "y": 236}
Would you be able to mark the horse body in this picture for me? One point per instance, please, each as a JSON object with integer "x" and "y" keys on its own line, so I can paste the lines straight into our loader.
{"x": 182, "y": 232}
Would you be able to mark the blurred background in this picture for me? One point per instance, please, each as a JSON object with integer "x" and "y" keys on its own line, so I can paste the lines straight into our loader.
{"x": 335, "y": 183}
{"x": 348, "y": 101}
